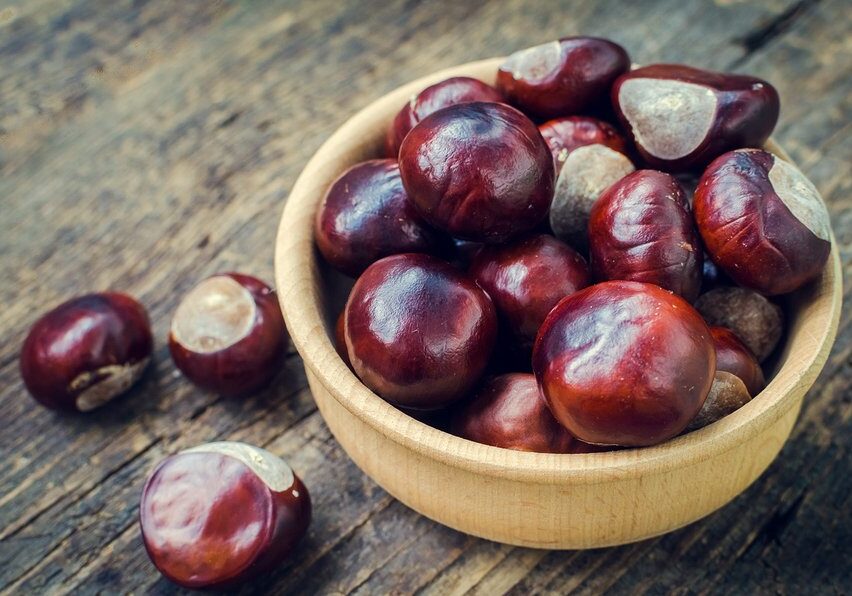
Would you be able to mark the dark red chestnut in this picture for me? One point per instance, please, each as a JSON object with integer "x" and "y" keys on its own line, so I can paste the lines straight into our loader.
{"x": 762, "y": 221}
{"x": 222, "y": 513}
{"x": 564, "y": 135}
{"x": 624, "y": 363}
{"x": 682, "y": 117}
{"x": 418, "y": 331}
{"x": 561, "y": 77}
{"x": 365, "y": 216}
{"x": 526, "y": 279}
{"x": 449, "y": 92}
{"x": 480, "y": 171}
{"x": 755, "y": 320}
{"x": 227, "y": 334}
{"x": 732, "y": 356}
{"x": 86, "y": 351}
{"x": 640, "y": 229}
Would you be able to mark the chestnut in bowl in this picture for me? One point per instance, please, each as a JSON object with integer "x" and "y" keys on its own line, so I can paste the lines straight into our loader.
{"x": 479, "y": 171}
{"x": 564, "y": 135}
{"x": 86, "y": 351}
{"x": 418, "y": 332}
{"x": 682, "y": 117}
{"x": 218, "y": 514}
{"x": 227, "y": 334}
{"x": 762, "y": 221}
{"x": 640, "y": 229}
{"x": 624, "y": 363}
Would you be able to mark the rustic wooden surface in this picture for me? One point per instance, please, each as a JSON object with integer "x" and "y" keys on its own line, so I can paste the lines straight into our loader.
{"x": 147, "y": 144}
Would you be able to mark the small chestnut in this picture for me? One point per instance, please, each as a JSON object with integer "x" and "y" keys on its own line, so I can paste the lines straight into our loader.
{"x": 624, "y": 363}
{"x": 480, "y": 171}
{"x": 527, "y": 278}
{"x": 227, "y": 334}
{"x": 640, "y": 229}
{"x": 727, "y": 395}
{"x": 732, "y": 356}
{"x": 564, "y": 135}
{"x": 762, "y": 221}
{"x": 448, "y": 92}
{"x": 221, "y": 513}
{"x": 561, "y": 77}
{"x": 365, "y": 216}
{"x": 86, "y": 351}
{"x": 418, "y": 332}
{"x": 755, "y": 320}
{"x": 682, "y": 117}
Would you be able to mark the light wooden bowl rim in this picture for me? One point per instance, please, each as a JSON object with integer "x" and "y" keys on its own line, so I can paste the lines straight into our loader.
{"x": 296, "y": 274}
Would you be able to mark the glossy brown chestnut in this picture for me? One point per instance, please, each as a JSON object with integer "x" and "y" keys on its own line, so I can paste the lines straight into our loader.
{"x": 640, "y": 229}
{"x": 682, "y": 117}
{"x": 228, "y": 335}
{"x": 365, "y": 216}
{"x": 449, "y": 92}
{"x": 527, "y": 278}
{"x": 564, "y": 135}
{"x": 762, "y": 221}
{"x": 624, "y": 363}
{"x": 755, "y": 320}
{"x": 732, "y": 356}
{"x": 419, "y": 332}
{"x": 221, "y": 513}
{"x": 86, "y": 351}
{"x": 480, "y": 171}
{"x": 561, "y": 77}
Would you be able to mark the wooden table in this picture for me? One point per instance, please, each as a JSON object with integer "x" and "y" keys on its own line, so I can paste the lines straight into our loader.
{"x": 147, "y": 144}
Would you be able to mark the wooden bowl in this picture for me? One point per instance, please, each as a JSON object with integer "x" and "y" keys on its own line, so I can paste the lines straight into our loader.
{"x": 529, "y": 499}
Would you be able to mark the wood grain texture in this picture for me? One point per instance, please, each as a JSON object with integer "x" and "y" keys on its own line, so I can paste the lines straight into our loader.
{"x": 145, "y": 145}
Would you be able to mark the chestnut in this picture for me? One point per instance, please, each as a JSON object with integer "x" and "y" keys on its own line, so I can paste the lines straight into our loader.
{"x": 732, "y": 356}
{"x": 682, "y": 117}
{"x": 365, "y": 215}
{"x": 448, "y": 92}
{"x": 480, "y": 171}
{"x": 762, "y": 221}
{"x": 86, "y": 351}
{"x": 221, "y": 513}
{"x": 418, "y": 332}
{"x": 624, "y": 363}
{"x": 755, "y": 320}
{"x": 640, "y": 229}
{"x": 527, "y": 278}
{"x": 227, "y": 334}
{"x": 564, "y": 135}
{"x": 727, "y": 395}
{"x": 561, "y": 77}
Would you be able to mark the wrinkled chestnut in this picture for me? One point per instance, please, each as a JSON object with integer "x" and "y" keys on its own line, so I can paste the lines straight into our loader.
{"x": 564, "y": 135}
{"x": 419, "y": 332}
{"x": 480, "y": 171}
{"x": 561, "y": 77}
{"x": 624, "y": 363}
{"x": 221, "y": 513}
{"x": 527, "y": 278}
{"x": 86, "y": 351}
{"x": 228, "y": 335}
{"x": 682, "y": 117}
{"x": 762, "y": 221}
{"x": 365, "y": 216}
{"x": 640, "y": 229}
{"x": 441, "y": 95}
{"x": 755, "y": 320}
{"x": 732, "y": 356}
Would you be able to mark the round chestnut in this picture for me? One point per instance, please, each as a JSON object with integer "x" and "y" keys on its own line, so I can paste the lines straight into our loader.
{"x": 682, "y": 117}
{"x": 561, "y": 77}
{"x": 86, "y": 351}
{"x": 762, "y": 221}
{"x": 624, "y": 363}
{"x": 365, "y": 216}
{"x": 732, "y": 356}
{"x": 419, "y": 332}
{"x": 221, "y": 513}
{"x": 480, "y": 171}
{"x": 527, "y": 278}
{"x": 727, "y": 395}
{"x": 640, "y": 229}
{"x": 755, "y": 320}
{"x": 228, "y": 335}
{"x": 564, "y": 135}
{"x": 449, "y": 92}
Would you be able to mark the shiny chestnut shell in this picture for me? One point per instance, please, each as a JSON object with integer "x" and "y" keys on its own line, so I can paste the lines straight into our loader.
{"x": 732, "y": 356}
{"x": 624, "y": 363}
{"x": 479, "y": 171}
{"x": 564, "y": 135}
